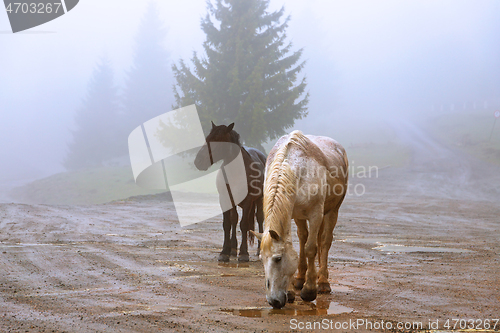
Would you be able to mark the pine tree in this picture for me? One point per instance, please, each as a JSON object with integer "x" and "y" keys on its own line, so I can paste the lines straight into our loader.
{"x": 249, "y": 75}
{"x": 148, "y": 89}
{"x": 94, "y": 139}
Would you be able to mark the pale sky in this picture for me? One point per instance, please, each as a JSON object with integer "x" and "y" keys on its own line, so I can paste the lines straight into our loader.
{"x": 373, "y": 58}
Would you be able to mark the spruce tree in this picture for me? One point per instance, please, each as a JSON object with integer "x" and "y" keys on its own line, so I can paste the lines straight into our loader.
{"x": 249, "y": 74}
{"x": 148, "y": 88}
{"x": 94, "y": 139}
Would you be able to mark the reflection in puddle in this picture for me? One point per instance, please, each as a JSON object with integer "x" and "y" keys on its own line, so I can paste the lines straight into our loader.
{"x": 404, "y": 248}
{"x": 223, "y": 269}
{"x": 295, "y": 309}
{"x": 234, "y": 264}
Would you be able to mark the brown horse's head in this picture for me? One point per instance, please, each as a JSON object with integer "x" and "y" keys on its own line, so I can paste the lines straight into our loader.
{"x": 280, "y": 263}
{"x": 213, "y": 151}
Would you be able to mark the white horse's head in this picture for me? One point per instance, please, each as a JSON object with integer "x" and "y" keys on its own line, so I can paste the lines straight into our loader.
{"x": 280, "y": 263}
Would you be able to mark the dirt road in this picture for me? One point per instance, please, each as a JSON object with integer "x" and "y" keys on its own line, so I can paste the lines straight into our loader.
{"x": 420, "y": 245}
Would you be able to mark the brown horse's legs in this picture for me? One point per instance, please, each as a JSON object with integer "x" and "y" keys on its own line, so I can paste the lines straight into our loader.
{"x": 226, "y": 247}
{"x": 325, "y": 242}
{"x": 248, "y": 216}
{"x": 302, "y": 233}
{"x": 260, "y": 219}
{"x": 310, "y": 289}
{"x": 234, "y": 240}
{"x": 228, "y": 218}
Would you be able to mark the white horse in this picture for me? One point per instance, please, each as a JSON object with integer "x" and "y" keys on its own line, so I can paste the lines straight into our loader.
{"x": 306, "y": 179}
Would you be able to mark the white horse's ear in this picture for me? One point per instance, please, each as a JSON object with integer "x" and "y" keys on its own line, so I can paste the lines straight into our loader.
{"x": 230, "y": 127}
{"x": 257, "y": 234}
{"x": 274, "y": 235}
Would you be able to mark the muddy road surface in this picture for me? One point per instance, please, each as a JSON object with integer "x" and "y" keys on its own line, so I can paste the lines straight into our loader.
{"x": 414, "y": 247}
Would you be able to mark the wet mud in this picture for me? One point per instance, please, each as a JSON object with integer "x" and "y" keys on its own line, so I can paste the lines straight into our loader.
{"x": 419, "y": 245}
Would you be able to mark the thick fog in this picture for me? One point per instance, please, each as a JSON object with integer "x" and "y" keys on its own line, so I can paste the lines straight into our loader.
{"x": 366, "y": 60}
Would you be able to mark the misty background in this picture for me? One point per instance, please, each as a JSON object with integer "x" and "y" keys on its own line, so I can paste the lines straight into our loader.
{"x": 368, "y": 63}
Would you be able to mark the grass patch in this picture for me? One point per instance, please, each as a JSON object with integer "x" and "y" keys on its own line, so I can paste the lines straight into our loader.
{"x": 89, "y": 186}
{"x": 105, "y": 184}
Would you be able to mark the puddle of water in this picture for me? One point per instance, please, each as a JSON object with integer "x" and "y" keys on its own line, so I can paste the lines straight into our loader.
{"x": 189, "y": 267}
{"x": 211, "y": 263}
{"x": 387, "y": 245}
{"x": 194, "y": 276}
{"x": 141, "y": 235}
{"x": 186, "y": 262}
{"x": 397, "y": 248}
{"x": 165, "y": 307}
{"x": 299, "y": 309}
{"x": 369, "y": 240}
{"x": 190, "y": 231}
{"x": 185, "y": 248}
{"x": 234, "y": 264}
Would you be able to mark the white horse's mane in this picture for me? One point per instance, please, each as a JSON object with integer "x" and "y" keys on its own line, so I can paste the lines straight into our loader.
{"x": 280, "y": 187}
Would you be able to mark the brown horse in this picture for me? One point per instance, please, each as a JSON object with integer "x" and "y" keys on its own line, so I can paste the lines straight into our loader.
{"x": 306, "y": 179}
{"x": 254, "y": 162}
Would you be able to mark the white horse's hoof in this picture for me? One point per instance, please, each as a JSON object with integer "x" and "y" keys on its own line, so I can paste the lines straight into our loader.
{"x": 324, "y": 288}
{"x": 308, "y": 295}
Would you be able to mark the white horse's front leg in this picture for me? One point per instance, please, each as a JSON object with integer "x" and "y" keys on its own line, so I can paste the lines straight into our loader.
{"x": 290, "y": 293}
{"x": 324, "y": 242}
{"x": 310, "y": 290}
{"x": 302, "y": 233}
